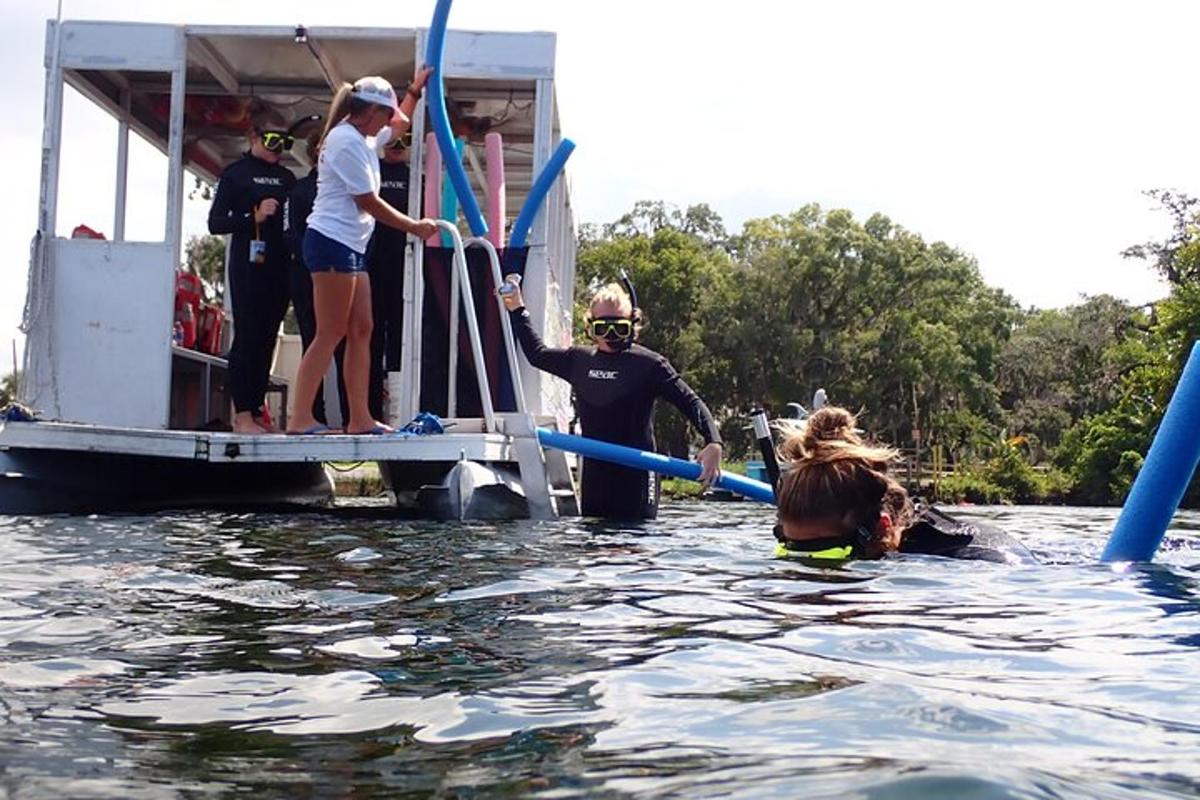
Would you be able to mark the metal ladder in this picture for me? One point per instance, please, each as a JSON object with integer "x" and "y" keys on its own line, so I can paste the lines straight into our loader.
{"x": 545, "y": 476}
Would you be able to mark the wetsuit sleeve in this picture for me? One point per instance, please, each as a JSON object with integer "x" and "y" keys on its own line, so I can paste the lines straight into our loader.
{"x": 672, "y": 388}
{"x": 225, "y": 216}
{"x": 556, "y": 361}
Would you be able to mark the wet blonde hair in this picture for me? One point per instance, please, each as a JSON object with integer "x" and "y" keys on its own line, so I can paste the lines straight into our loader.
{"x": 615, "y": 293}
{"x": 834, "y": 475}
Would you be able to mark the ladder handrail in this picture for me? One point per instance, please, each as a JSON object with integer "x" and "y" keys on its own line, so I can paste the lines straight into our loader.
{"x": 510, "y": 346}
{"x": 462, "y": 278}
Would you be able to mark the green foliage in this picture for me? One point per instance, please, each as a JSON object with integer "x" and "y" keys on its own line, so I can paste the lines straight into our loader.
{"x": 969, "y": 486}
{"x": 205, "y": 256}
{"x": 1103, "y": 450}
{"x": 1006, "y": 477}
{"x": 8, "y": 388}
{"x": 880, "y": 318}
{"x": 1061, "y": 365}
{"x": 906, "y": 332}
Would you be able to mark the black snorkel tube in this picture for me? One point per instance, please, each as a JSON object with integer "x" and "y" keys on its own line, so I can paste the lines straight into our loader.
{"x": 291, "y": 131}
{"x": 766, "y": 445}
{"x": 628, "y": 284}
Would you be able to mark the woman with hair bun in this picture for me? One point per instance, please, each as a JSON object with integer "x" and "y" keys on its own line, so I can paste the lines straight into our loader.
{"x": 837, "y": 501}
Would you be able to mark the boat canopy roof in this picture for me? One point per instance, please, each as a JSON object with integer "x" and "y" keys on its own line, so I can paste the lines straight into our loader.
{"x": 492, "y": 81}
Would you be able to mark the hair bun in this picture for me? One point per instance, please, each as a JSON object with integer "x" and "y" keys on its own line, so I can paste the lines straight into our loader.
{"x": 830, "y": 424}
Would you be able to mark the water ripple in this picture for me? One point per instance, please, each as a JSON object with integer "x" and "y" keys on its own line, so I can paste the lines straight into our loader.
{"x": 207, "y": 654}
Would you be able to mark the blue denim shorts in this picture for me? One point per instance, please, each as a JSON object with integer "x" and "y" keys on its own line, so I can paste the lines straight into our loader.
{"x": 322, "y": 254}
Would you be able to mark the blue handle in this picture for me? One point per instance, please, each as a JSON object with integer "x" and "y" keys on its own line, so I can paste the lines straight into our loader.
{"x": 537, "y": 194}
{"x": 441, "y": 120}
{"x": 1165, "y": 474}
{"x": 652, "y": 462}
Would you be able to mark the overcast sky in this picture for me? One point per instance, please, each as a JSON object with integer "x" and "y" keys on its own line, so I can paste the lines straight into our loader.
{"x": 1023, "y": 133}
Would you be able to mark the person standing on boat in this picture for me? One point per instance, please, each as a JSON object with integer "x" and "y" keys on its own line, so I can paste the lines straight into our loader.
{"x": 616, "y": 383}
{"x": 299, "y": 206}
{"x": 385, "y": 266}
{"x": 361, "y": 118}
{"x": 248, "y": 206}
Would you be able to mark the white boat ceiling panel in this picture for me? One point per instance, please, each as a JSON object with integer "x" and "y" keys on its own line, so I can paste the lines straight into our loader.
{"x": 490, "y": 85}
{"x": 120, "y": 45}
{"x": 507, "y": 55}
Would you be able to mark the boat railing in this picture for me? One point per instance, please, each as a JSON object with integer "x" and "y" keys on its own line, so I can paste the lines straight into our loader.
{"x": 510, "y": 345}
{"x": 461, "y": 295}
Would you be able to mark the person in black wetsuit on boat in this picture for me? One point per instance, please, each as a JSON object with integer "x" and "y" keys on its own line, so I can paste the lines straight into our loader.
{"x": 616, "y": 383}
{"x": 836, "y": 501}
{"x": 385, "y": 266}
{"x": 249, "y": 205}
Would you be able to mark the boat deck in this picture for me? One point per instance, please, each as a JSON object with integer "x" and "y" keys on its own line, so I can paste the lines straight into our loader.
{"x": 469, "y": 442}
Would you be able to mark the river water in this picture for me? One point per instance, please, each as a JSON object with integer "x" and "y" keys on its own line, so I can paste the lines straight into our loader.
{"x": 193, "y": 655}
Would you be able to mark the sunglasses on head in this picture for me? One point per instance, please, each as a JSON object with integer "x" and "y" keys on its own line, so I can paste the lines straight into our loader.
{"x": 277, "y": 141}
{"x": 611, "y": 328}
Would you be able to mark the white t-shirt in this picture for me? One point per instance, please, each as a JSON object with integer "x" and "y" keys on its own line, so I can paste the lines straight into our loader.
{"x": 348, "y": 167}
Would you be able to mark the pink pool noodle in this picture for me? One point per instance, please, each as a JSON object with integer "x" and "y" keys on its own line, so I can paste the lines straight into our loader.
{"x": 494, "y": 145}
{"x": 433, "y": 184}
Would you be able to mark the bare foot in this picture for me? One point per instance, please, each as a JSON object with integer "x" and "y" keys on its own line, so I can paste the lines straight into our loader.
{"x": 245, "y": 423}
{"x": 375, "y": 427}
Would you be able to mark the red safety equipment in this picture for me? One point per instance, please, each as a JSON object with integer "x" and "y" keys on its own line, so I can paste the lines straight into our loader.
{"x": 84, "y": 232}
{"x": 212, "y": 319}
{"x": 189, "y": 293}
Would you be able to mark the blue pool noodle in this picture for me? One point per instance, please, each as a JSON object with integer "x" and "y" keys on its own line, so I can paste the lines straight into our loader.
{"x": 652, "y": 462}
{"x": 537, "y": 194}
{"x": 441, "y": 120}
{"x": 1164, "y": 475}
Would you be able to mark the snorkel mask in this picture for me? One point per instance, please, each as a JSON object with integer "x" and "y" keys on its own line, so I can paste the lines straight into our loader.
{"x": 282, "y": 141}
{"x": 277, "y": 141}
{"x": 827, "y": 549}
{"x": 618, "y": 332}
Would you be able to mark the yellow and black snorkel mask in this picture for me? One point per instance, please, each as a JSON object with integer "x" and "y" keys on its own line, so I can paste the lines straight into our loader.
{"x": 825, "y": 550}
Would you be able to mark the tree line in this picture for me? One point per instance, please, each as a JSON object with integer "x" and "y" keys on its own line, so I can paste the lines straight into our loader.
{"x": 1025, "y": 404}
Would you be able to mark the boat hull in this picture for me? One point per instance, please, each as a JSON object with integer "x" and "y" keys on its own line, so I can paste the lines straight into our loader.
{"x": 35, "y": 481}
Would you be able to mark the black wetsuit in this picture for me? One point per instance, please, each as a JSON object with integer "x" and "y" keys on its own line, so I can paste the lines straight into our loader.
{"x": 939, "y": 534}
{"x": 385, "y": 265}
{"x": 259, "y": 290}
{"x": 299, "y": 206}
{"x": 614, "y": 397}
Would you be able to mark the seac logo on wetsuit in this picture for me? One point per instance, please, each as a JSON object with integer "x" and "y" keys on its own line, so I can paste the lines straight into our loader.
{"x": 267, "y": 180}
{"x": 603, "y": 374}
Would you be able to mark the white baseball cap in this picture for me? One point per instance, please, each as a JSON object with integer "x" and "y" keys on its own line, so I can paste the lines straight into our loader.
{"x": 377, "y": 90}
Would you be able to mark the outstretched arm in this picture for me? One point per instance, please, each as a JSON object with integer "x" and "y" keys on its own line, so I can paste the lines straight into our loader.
{"x": 556, "y": 361}
{"x": 379, "y": 208}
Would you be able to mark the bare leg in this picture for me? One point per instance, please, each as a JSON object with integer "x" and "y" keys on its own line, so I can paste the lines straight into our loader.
{"x": 333, "y": 295}
{"x": 357, "y": 360}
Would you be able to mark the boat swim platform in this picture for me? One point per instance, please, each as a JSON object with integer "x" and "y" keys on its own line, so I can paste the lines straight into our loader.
{"x": 468, "y": 442}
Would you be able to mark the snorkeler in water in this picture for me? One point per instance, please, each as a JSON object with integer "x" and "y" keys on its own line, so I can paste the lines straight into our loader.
{"x": 836, "y": 501}
{"x": 616, "y": 383}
